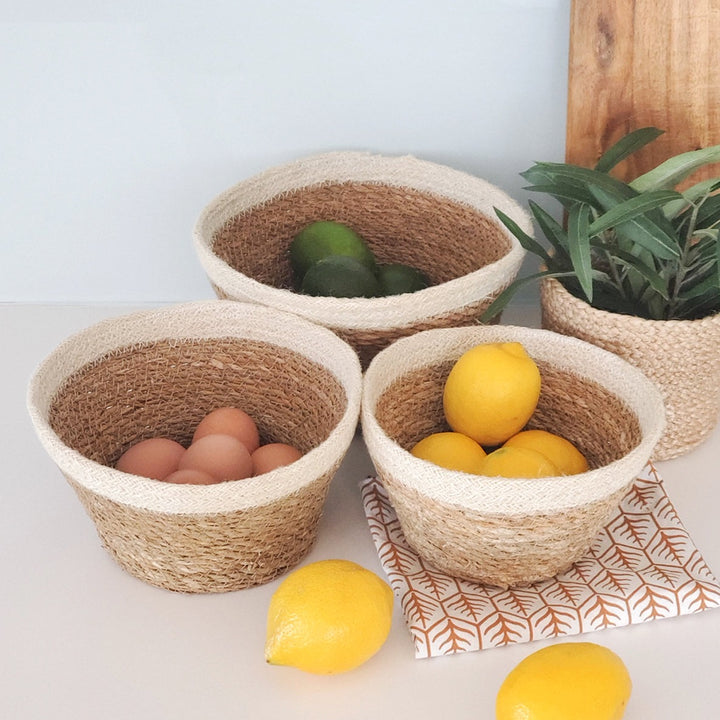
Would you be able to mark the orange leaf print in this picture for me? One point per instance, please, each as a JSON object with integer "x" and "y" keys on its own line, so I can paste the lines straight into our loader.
{"x": 697, "y": 596}
{"x": 640, "y": 497}
{"x": 419, "y": 609}
{"x": 470, "y": 604}
{"x": 502, "y": 629}
{"x": 669, "y": 546}
{"x": 452, "y": 635}
{"x": 605, "y": 611}
{"x": 396, "y": 559}
{"x": 569, "y": 593}
{"x": 652, "y": 602}
{"x": 554, "y": 621}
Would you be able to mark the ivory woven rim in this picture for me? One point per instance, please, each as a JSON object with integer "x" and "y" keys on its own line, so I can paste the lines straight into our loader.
{"x": 341, "y": 167}
{"x": 634, "y": 322}
{"x": 196, "y": 321}
{"x": 504, "y": 496}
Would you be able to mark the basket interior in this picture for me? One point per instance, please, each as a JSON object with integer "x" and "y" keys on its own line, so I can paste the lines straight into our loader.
{"x": 443, "y": 238}
{"x": 598, "y": 422}
{"x": 165, "y": 388}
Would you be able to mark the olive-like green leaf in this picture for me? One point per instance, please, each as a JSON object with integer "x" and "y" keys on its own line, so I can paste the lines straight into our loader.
{"x": 675, "y": 169}
{"x": 632, "y": 207}
{"x": 653, "y": 278}
{"x": 501, "y": 301}
{"x": 581, "y": 178}
{"x": 565, "y": 193}
{"x": 553, "y": 231}
{"x": 643, "y": 231}
{"x": 690, "y": 196}
{"x": 527, "y": 241}
{"x": 579, "y": 246}
{"x": 708, "y": 213}
{"x": 626, "y": 146}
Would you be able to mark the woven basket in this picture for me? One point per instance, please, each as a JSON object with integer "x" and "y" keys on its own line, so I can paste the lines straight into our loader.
{"x": 499, "y": 531}
{"x": 681, "y": 356}
{"x": 410, "y": 211}
{"x": 157, "y": 373}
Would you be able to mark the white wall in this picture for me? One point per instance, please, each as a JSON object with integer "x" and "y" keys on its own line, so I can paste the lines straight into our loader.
{"x": 120, "y": 120}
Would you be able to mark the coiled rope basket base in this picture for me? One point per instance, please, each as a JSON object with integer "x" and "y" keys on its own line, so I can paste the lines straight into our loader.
{"x": 499, "y": 531}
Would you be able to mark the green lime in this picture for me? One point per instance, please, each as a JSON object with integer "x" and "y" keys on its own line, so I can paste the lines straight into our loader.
{"x": 323, "y": 238}
{"x": 396, "y": 278}
{"x": 340, "y": 276}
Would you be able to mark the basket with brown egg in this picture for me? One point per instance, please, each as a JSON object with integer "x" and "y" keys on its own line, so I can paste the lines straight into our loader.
{"x": 201, "y": 438}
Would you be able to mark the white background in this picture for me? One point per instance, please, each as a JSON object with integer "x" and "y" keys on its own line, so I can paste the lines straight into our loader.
{"x": 121, "y": 120}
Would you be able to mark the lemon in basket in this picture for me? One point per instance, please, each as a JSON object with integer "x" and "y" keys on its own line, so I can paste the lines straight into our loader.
{"x": 559, "y": 451}
{"x": 491, "y": 392}
{"x": 324, "y": 238}
{"x": 451, "y": 450}
{"x": 328, "y": 617}
{"x": 517, "y": 462}
{"x": 566, "y": 681}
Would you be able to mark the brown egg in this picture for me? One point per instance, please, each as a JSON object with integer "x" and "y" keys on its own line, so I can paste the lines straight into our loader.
{"x": 153, "y": 458}
{"x": 273, "y": 455}
{"x": 230, "y": 421}
{"x": 222, "y": 456}
{"x": 190, "y": 477}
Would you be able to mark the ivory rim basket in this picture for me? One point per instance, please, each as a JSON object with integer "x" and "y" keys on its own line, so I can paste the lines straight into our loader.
{"x": 681, "y": 356}
{"x": 408, "y": 210}
{"x": 500, "y": 531}
{"x": 157, "y": 373}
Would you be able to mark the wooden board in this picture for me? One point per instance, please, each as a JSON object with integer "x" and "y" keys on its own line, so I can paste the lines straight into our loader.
{"x": 635, "y": 63}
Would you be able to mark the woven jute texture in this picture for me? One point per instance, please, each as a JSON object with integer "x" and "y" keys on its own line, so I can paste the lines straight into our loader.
{"x": 681, "y": 356}
{"x": 158, "y": 373}
{"x": 410, "y": 211}
{"x": 500, "y": 531}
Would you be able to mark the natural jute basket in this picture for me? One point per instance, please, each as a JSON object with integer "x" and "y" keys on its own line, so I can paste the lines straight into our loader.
{"x": 158, "y": 373}
{"x": 500, "y": 531}
{"x": 681, "y": 356}
{"x": 411, "y": 211}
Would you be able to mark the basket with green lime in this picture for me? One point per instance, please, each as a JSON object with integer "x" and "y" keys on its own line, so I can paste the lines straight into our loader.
{"x": 328, "y": 258}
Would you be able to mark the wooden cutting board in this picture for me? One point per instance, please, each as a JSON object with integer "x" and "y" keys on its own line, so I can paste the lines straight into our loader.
{"x": 635, "y": 63}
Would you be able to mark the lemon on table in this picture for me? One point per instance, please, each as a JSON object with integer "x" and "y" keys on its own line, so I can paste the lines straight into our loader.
{"x": 328, "y": 617}
{"x": 491, "y": 392}
{"x": 451, "y": 450}
{"x": 513, "y": 462}
{"x": 340, "y": 276}
{"x": 397, "y": 278}
{"x": 561, "y": 452}
{"x": 324, "y": 238}
{"x": 566, "y": 681}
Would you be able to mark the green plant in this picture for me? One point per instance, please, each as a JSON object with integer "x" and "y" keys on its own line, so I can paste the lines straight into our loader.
{"x": 640, "y": 248}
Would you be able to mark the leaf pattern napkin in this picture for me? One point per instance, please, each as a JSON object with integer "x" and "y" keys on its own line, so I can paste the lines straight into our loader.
{"x": 643, "y": 566}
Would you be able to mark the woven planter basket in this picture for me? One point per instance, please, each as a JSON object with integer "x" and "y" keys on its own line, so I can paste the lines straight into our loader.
{"x": 500, "y": 531}
{"x": 408, "y": 210}
{"x": 157, "y": 373}
{"x": 681, "y": 356}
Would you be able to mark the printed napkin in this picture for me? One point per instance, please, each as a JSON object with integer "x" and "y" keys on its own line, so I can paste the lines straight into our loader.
{"x": 643, "y": 566}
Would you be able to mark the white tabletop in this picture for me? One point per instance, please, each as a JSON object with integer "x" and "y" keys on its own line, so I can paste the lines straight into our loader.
{"x": 82, "y": 639}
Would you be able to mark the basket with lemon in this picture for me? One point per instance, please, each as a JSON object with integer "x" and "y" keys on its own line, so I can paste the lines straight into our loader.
{"x": 504, "y": 450}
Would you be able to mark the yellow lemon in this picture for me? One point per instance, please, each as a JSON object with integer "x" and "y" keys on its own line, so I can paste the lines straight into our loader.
{"x": 328, "y": 617}
{"x": 491, "y": 392}
{"x": 451, "y": 450}
{"x": 515, "y": 462}
{"x": 561, "y": 452}
{"x": 566, "y": 681}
